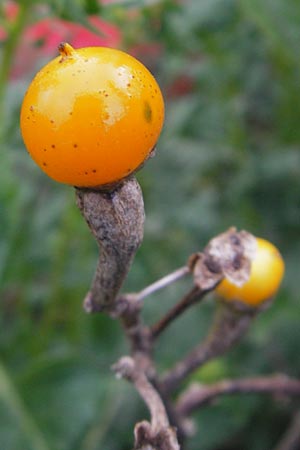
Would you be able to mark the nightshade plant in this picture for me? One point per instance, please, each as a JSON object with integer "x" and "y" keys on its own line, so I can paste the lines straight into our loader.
{"x": 114, "y": 211}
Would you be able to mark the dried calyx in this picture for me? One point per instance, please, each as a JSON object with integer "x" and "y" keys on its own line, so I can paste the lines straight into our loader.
{"x": 228, "y": 255}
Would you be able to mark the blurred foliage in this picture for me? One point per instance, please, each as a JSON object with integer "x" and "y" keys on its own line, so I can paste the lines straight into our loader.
{"x": 229, "y": 155}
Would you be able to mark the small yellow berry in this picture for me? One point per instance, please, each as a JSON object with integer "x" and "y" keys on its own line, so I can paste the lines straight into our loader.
{"x": 267, "y": 270}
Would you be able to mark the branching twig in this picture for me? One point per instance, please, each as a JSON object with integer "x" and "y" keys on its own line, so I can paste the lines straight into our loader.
{"x": 194, "y": 295}
{"x": 198, "y": 395}
{"x": 157, "y": 435}
{"x": 228, "y": 327}
{"x": 162, "y": 283}
{"x": 127, "y": 368}
{"x": 137, "y": 333}
{"x": 116, "y": 219}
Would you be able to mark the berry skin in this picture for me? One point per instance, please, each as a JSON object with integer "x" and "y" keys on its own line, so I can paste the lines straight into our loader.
{"x": 91, "y": 116}
{"x": 267, "y": 270}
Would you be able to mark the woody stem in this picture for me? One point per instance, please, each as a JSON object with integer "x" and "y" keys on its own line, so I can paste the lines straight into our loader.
{"x": 116, "y": 219}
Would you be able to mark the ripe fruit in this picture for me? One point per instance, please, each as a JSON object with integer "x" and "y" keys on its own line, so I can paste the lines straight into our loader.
{"x": 91, "y": 116}
{"x": 267, "y": 271}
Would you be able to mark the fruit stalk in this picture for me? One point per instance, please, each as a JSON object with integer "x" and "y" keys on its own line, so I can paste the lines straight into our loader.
{"x": 116, "y": 219}
{"x": 229, "y": 325}
{"x": 197, "y": 395}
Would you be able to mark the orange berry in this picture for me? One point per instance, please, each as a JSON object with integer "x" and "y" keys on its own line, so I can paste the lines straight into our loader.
{"x": 266, "y": 274}
{"x": 91, "y": 116}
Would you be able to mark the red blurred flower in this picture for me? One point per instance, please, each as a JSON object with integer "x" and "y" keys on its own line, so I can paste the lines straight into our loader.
{"x": 10, "y": 10}
{"x": 49, "y": 32}
{"x": 182, "y": 85}
{"x": 42, "y": 38}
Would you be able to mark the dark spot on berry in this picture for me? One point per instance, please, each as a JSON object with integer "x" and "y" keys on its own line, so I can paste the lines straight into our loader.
{"x": 53, "y": 146}
{"x": 45, "y": 149}
{"x": 128, "y": 84}
{"x": 44, "y": 164}
{"x": 86, "y": 173}
{"x": 147, "y": 112}
{"x": 75, "y": 145}
{"x": 94, "y": 170}
{"x": 31, "y": 108}
{"x": 52, "y": 121}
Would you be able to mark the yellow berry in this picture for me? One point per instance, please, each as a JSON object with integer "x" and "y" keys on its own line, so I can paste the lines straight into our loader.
{"x": 267, "y": 270}
{"x": 91, "y": 116}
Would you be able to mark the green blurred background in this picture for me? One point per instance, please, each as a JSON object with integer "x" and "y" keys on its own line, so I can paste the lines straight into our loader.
{"x": 228, "y": 155}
